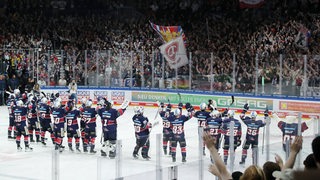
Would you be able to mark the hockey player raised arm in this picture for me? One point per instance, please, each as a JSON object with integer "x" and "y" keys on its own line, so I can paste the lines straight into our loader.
{"x": 245, "y": 109}
{"x": 123, "y": 107}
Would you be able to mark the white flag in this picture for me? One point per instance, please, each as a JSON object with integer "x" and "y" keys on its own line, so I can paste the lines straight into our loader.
{"x": 175, "y": 53}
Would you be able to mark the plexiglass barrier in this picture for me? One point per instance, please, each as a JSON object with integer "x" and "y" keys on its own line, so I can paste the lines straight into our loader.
{"x": 285, "y": 74}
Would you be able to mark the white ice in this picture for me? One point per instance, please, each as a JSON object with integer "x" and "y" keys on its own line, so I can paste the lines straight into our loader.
{"x": 38, "y": 164}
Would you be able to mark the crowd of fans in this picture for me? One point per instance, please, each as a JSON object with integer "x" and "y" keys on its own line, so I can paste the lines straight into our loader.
{"x": 270, "y": 170}
{"x": 53, "y": 42}
{"x": 105, "y": 42}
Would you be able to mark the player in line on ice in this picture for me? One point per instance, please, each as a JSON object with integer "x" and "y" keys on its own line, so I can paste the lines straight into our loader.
{"x": 289, "y": 128}
{"x": 202, "y": 116}
{"x": 20, "y": 118}
{"x": 252, "y": 134}
{"x": 167, "y": 134}
{"x": 177, "y": 121}
{"x": 237, "y": 132}
{"x": 142, "y": 128}
{"x": 109, "y": 117}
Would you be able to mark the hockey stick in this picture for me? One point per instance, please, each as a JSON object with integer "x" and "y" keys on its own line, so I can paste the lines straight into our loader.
{"x": 232, "y": 101}
{"x": 264, "y": 130}
{"x": 179, "y": 97}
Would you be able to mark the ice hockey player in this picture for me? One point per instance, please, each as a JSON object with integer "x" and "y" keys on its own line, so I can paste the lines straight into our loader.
{"x": 33, "y": 123}
{"x": 73, "y": 131}
{"x": 225, "y": 128}
{"x": 59, "y": 114}
{"x": 45, "y": 120}
{"x": 252, "y": 134}
{"x": 11, "y": 104}
{"x": 166, "y": 127}
{"x": 83, "y": 123}
{"x": 20, "y": 118}
{"x": 213, "y": 127}
{"x": 289, "y": 129}
{"x": 89, "y": 116}
{"x": 142, "y": 128}
{"x": 109, "y": 118}
{"x": 177, "y": 125}
{"x": 202, "y": 116}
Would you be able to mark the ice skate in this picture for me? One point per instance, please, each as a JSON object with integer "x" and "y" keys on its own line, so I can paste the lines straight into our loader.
{"x": 184, "y": 159}
{"x": 103, "y": 154}
{"x": 146, "y": 157}
{"x": 165, "y": 151}
{"x": 174, "y": 159}
{"x": 28, "y": 149}
{"x": 135, "y": 156}
{"x": 92, "y": 151}
{"x": 243, "y": 161}
{"x": 71, "y": 149}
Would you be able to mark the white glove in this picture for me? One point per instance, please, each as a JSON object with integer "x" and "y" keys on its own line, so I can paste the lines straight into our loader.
{"x": 125, "y": 104}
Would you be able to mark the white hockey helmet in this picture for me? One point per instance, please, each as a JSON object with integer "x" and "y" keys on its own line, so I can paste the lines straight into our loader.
{"x": 16, "y": 92}
{"x": 19, "y": 103}
{"x": 140, "y": 110}
{"x": 215, "y": 113}
{"x": 44, "y": 100}
{"x": 177, "y": 112}
{"x": 203, "y": 106}
{"x": 253, "y": 114}
{"x": 57, "y": 104}
{"x": 230, "y": 113}
{"x": 136, "y": 109}
{"x": 89, "y": 103}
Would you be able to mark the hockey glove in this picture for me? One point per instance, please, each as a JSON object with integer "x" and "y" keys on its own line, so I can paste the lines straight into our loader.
{"x": 225, "y": 113}
{"x": 266, "y": 113}
{"x": 180, "y": 105}
{"x": 245, "y": 108}
{"x": 188, "y": 105}
{"x": 125, "y": 104}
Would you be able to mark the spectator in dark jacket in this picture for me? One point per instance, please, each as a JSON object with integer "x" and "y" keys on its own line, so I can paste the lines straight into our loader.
{"x": 3, "y": 86}
{"x": 13, "y": 83}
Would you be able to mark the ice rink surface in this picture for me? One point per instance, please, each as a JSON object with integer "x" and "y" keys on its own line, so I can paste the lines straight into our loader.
{"x": 39, "y": 163}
